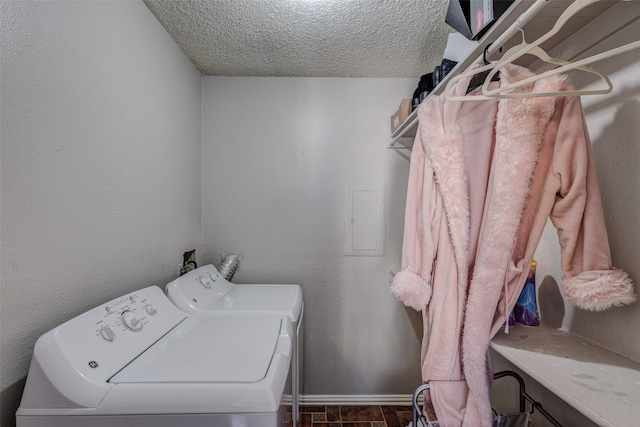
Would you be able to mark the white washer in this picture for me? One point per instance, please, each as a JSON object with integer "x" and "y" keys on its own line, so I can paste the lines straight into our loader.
{"x": 138, "y": 360}
{"x": 205, "y": 292}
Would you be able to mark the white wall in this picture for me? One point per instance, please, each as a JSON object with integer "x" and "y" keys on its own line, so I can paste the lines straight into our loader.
{"x": 276, "y": 156}
{"x": 100, "y": 165}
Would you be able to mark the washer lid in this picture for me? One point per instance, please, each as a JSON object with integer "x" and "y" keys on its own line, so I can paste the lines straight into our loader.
{"x": 215, "y": 349}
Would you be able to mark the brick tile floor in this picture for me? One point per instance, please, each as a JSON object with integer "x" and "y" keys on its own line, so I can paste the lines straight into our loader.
{"x": 354, "y": 416}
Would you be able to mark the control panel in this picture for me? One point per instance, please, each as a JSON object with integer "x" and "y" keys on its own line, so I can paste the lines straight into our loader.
{"x": 129, "y": 313}
{"x": 198, "y": 290}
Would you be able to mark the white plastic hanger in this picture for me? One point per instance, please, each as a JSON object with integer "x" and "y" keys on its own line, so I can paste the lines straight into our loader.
{"x": 534, "y": 49}
{"x": 498, "y": 93}
{"x": 537, "y": 51}
{"x": 495, "y": 67}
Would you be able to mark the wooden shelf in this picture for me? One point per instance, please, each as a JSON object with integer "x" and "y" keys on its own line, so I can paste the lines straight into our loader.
{"x": 598, "y": 383}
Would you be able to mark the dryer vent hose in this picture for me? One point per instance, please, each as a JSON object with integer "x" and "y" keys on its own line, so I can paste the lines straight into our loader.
{"x": 228, "y": 266}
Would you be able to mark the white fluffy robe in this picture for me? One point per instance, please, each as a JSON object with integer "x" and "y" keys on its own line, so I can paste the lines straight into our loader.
{"x": 484, "y": 178}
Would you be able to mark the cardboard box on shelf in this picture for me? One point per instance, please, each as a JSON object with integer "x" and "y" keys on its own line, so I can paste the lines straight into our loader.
{"x": 401, "y": 114}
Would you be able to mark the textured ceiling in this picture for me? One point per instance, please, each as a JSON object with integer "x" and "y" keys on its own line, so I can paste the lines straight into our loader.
{"x": 311, "y": 38}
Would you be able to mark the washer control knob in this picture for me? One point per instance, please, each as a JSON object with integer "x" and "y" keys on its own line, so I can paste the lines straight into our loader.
{"x": 213, "y": 277}
{"x": 131, "y": 321}
{"x": 107, "y": 333}
{"x": 205, "y": 282}
{"x": 150, "y": 309}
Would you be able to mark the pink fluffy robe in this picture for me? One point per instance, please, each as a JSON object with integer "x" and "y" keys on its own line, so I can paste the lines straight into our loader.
{"x": 484, "y": 179}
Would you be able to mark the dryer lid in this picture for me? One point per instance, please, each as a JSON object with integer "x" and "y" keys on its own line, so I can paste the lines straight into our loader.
{"x": 209, "y": 350}
{"x": 284, "y": 299}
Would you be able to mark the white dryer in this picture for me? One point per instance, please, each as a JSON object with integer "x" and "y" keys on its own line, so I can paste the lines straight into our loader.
{"x": 138, "y": 360}
{"x": 205, "y": 292}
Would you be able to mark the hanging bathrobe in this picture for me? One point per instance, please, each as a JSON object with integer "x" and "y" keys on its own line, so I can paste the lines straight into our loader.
{"x": 484, "y": 178}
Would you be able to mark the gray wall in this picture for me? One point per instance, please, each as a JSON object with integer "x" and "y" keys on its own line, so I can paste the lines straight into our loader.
{"x": 100, "y": 165}
{"x": 277, "y": 154}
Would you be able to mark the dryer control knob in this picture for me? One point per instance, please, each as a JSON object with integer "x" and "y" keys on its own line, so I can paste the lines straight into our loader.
{"x": 107, "y": 333}
{"x": 131, "y": 321}
{"x": 205, "y": 282}
{"x": 150, "y": 309}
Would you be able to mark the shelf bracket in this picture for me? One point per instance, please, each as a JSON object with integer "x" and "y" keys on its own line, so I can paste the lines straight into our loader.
{"x": 401, "y": 143}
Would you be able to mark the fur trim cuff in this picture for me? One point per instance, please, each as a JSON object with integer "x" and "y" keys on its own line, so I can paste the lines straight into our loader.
{"x": 411, "y": 289}
{"x": 598, "y": 290}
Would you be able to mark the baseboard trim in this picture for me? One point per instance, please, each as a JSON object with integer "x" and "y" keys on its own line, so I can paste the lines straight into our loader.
{"x": 356, "y": 399}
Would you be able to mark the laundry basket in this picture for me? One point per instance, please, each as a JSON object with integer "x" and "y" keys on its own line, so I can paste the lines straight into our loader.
{"x": 522, "y": 418}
